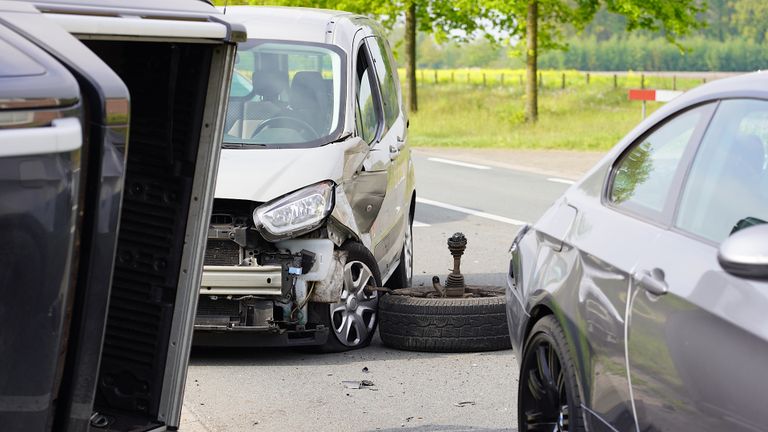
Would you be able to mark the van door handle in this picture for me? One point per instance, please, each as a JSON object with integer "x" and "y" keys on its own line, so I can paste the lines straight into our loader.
{"x": 652, "y": 281}
{"x": 400, "y": 143}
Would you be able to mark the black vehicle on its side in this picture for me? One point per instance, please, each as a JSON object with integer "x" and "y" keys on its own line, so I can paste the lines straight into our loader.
{"x": 111, "y": 118}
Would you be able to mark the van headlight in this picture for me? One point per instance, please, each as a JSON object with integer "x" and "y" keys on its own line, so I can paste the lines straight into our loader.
{"x": 296, "y": 213}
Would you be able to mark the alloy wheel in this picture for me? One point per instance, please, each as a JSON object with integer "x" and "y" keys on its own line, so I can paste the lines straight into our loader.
{"x": 353, "y": 319}
{"x": 545, "y": 393}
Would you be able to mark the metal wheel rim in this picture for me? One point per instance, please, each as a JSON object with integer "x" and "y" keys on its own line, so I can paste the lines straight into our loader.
{"x": 353, "y": 319}
{"x": 408, "y": 253}
{"x": 544, "y": 395}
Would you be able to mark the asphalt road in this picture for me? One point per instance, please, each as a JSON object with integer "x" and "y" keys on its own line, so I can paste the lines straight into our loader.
{"x": 270, "y": 390}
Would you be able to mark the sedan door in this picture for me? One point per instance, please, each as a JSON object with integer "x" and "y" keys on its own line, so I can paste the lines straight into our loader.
{"x": 41, "y": 138}
{"x": 611, "y": 236}
{"x": 698, "y": 339}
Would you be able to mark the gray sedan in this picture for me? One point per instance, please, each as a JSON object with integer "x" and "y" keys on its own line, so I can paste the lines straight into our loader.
{"x": 639, "y": 300}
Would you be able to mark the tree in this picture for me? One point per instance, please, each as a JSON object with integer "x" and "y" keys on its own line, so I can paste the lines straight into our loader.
{"x": 457, "y": 19}
{"x": 749, "y": 17}
{"x": 541, "y": 22}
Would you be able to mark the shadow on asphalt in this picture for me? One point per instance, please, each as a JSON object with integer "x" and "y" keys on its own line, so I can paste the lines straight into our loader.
{"x": 442, "y": 428}
{"x": 235, "y": 356}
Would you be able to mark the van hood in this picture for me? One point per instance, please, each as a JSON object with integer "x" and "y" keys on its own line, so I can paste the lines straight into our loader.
{"x": 261, "y": 175}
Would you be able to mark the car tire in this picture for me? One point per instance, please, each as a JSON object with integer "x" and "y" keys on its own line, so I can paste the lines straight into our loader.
{"x": 403, "y": 275}
{"x": 548, "y": 388}
{"x": 352, "y": 322}
{"x": 443, "y": 324}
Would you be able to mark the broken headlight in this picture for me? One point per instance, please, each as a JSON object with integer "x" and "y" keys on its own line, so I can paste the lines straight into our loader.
{"x": 296, "y": 213}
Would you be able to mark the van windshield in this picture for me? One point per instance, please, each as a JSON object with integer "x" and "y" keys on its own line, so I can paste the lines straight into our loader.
{"x": 285, "y": 94}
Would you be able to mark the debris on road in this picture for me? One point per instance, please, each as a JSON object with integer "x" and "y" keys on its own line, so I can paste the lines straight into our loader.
{"x": 365, "y": 369}
{"x": 462, "y": 404}
{"x": 356, "y": 385}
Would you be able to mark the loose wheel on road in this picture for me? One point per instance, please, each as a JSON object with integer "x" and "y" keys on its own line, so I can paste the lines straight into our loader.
{"x": 352, "y": 321}
{"x": 548, "y": 392}
{"x": 437, "y": 324}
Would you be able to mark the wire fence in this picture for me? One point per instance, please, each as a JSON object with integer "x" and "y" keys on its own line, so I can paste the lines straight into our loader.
{"x": 557, "y": 79}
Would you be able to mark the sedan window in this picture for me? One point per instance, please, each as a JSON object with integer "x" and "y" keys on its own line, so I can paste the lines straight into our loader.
{"x": 644, "y": 176}
{"x": 727, "y": 188}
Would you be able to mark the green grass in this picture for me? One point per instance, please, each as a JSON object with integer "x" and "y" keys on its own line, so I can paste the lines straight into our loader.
{"x": 582, "y": 116}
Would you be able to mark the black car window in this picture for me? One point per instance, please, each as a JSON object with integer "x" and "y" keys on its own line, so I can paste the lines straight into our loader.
{"x": 368, "y": 110}
{"x": 644, "y": 175}
{"x": 386, "y": 71}
{"x": 727, "y": 188}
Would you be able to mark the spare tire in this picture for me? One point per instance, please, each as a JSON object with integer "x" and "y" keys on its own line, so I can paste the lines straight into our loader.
{"x": 444, "y": 324}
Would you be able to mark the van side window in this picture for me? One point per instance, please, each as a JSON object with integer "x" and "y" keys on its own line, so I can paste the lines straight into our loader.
{"x": 386, "y": 72}
{"x": 368, "y": 111}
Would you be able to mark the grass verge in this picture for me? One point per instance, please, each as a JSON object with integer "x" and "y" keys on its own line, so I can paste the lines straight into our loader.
{"x": 580, "y": 117}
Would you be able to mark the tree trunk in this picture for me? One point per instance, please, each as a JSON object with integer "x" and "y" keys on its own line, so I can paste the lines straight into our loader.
{"x": 531, "y": 88}
{"x": 410, "y": 57}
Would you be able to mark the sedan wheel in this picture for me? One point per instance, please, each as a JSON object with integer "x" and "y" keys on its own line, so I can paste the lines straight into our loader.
{"x": 549, "y": 397}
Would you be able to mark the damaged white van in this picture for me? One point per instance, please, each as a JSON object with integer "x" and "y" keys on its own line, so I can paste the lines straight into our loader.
{"x": 315, "y": 193}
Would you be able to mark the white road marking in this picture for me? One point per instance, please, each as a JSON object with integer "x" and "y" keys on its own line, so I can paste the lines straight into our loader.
{"x": 559, "y": 180}
{"x": 417, "y": 224}
{"x": 457, "y": 163}
{"x": 470, "y": 211}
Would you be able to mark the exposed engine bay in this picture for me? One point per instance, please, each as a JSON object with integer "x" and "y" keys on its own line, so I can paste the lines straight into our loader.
{"x": 254, "y": 284}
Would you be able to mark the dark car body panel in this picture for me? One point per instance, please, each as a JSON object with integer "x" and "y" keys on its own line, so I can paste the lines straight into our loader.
{"x": 62, "y": 217}
{"x": 585, "y": 278}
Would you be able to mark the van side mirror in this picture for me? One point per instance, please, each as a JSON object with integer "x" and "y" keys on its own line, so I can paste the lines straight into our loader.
{"x": 745, "y": 253}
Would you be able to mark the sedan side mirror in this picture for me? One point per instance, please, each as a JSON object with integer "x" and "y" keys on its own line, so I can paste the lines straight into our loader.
{"x": 745, "y": 253}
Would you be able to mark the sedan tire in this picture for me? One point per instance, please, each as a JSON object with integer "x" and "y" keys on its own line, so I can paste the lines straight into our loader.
{"x": 548, "y": 392}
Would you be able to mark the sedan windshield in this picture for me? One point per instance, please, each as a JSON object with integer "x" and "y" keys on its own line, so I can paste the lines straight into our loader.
{"x": 285, "y": 94}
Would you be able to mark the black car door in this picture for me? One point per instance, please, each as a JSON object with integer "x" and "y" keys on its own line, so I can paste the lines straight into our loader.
{"x": 41, "y": 137}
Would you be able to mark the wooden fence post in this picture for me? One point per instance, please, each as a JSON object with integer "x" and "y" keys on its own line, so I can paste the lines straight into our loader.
{"x": 615, "y": 82}
{"x": 541, "y": 80}
{"x": 562, "y": 81}
{"x": 484, "y": 81}
{"x": 587, "y": 78}
{"x": 453, "y": 80}
{"x": 642, "y": 81}
{"x": 435, "y": 76}
{"x": 674, "y": 82}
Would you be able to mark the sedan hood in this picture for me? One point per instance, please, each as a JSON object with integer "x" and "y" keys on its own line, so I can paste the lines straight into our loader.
{"x": 262, "y": 175}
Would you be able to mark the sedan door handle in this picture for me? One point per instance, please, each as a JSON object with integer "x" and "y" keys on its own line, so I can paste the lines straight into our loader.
{"x": 652, "y": 281}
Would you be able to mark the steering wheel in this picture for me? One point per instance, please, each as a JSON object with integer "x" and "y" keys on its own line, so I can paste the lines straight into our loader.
{"x": 294, "y": 123}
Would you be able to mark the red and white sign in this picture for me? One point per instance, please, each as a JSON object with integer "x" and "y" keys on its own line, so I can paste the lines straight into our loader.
{"x": 653, "y": 95}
